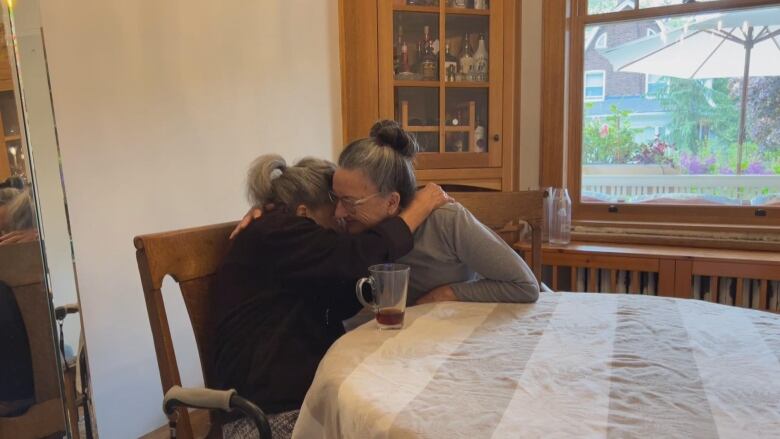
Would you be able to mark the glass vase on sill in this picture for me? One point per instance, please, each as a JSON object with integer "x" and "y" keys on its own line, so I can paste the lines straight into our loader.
{"x": 560, "y": 221}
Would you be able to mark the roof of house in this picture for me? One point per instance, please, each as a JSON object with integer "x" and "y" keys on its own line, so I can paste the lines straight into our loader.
{"x": 593, "y": 31}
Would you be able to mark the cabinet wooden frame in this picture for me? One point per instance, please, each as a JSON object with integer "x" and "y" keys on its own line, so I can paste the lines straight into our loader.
{"x": 560, "y": 32}
{"x": 368, "y": 87}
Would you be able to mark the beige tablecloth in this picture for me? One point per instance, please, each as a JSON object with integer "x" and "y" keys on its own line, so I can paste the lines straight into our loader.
{"x": 571, "y": 365}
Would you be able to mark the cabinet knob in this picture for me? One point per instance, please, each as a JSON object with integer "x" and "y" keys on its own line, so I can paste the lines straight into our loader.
{"x": 495, "y": 137}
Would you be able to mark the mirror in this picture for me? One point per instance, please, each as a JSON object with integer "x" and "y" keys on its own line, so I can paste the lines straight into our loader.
{"x": 44, "y": 384}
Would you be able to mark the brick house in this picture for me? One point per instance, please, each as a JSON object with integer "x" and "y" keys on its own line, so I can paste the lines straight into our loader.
{"x": 628, "y": 91}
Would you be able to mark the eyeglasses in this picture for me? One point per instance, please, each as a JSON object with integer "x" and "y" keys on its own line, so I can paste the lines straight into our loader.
{"x": 349, "y": 203}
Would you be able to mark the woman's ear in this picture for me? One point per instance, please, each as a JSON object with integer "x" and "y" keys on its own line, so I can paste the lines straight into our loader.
{"x": 394, "y": 203}
{"x": 302, "y": 210}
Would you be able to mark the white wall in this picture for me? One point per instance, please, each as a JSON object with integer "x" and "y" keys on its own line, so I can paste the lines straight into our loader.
{"x": 160, "y": 106}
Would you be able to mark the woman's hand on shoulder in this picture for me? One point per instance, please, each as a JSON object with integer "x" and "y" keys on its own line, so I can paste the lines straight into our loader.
{"x": 432, "y": 196}
{"x": 253, "y": 214}
{"x": 443, "y": 293}
{"x": 427, "y": 199}
{"x": 19, "y": 236}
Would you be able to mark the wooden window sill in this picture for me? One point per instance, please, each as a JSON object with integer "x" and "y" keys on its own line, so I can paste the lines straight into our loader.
{"x": 660, "y": 251}
{"x": 679, "y": 235}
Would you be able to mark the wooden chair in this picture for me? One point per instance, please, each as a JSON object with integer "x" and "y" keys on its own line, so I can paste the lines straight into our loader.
{"x": 21, "y": 267}
{"x": 502, "y": 212}
{"x": 191, "y": 257}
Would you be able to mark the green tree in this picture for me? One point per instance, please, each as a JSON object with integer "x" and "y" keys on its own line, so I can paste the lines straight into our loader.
{"x": 602, "y": 6}
{"x": 702, "y": 113}
{"x": 763, "y": 111}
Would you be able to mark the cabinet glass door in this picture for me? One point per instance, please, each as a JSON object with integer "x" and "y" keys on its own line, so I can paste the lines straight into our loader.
{"x": 443, "y": 89}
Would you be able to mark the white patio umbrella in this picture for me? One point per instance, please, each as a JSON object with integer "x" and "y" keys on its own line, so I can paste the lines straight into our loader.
{"x": 723, "y": 45}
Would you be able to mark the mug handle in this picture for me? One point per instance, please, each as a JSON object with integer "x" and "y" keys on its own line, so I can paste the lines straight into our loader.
{"x": 359, "y": 292}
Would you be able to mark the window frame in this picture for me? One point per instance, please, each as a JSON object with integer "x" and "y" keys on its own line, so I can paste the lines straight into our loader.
{"x": 690, "y": 215}
{"x": 603, "y": 85}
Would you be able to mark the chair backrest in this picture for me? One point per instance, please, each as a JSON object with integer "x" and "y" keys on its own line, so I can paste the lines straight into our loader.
{"x": 191, "y": 257}
{"x": 21, "y": 268}
{"x": 502, "y": 212}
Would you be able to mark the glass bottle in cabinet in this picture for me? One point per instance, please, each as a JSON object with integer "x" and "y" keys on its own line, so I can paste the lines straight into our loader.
{"x": 465, "y": 60}
{"x": 415, "y": 37}
{"x": 479, "y": 70}
{"x": 467, "y": 37}
{"x": 429, "y": 67}
{"x": 481, "y": 4}
{"x": 466, "y": 110}
{"x": 398, "y": 44}
{"x": 450, "y": 65}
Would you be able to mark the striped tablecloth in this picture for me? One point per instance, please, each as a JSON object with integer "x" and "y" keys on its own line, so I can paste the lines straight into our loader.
{"x": 571, "y": 365}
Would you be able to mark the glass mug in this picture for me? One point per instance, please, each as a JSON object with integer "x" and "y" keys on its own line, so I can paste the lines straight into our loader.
{"x": 389, "y": 283}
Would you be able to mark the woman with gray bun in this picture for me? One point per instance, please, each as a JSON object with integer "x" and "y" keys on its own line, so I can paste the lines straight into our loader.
{"x": 455, "y": 257}
{"x": 288, "y": 280}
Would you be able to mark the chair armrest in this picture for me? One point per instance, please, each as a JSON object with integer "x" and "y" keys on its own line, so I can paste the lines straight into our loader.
{"x": 61, "y": 311}
{"x": 225, "y": 400}
{"x": 202, "y": 398}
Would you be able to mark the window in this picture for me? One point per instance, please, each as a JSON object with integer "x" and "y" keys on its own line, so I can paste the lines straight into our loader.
{"x": 668, "y": 130}
{"x": 595, "y": 84}
{"x": 654, "y": 84}
{"x": 601, "y": 43}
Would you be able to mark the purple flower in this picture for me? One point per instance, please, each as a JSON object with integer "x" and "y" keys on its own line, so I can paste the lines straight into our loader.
{"x": 726, "y": 171}
{"x": 757, "y": 168}
{"x": 694, "y": 166}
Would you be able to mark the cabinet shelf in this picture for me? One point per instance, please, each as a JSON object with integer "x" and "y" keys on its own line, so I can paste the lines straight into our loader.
{"x": 466, "y": 84}
{"x": 411, "y": 83}
{"x": 422, "y": 129}
{"x": 435, "y": 129}
{"x": 13, "y": 137}
{"x": 465, "y": 11}
{"x": 434, "y": 84}
{"x": 407, "y": 8}
{"x": 436, "y": 10}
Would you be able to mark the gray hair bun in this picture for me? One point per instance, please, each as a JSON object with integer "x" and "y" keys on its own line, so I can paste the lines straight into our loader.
{"x": 262, "y": 172}
{"x": 389, "y": 133}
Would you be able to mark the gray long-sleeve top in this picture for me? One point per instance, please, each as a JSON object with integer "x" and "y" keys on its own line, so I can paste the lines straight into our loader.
{"x": 454, "y": 248}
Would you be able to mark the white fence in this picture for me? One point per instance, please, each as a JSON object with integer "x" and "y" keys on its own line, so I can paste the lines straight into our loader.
{"x": 741, "y": 187}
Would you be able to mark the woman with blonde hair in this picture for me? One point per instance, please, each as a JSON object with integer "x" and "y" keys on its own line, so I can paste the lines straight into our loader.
{"x": 17, "y": 217}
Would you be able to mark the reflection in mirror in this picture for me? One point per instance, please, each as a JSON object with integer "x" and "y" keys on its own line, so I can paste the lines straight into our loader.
{"x": 44, "y": 380}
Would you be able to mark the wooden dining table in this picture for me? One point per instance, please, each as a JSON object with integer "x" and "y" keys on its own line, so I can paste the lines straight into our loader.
{"x": 570, "y": 365}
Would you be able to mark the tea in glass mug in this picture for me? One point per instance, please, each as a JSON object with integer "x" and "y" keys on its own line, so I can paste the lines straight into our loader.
{"x": 389, "y": 284}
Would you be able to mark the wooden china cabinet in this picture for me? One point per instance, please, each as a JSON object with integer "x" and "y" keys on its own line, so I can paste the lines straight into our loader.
{"x": 12, "y": 160}
{"x": 446, "y": 70}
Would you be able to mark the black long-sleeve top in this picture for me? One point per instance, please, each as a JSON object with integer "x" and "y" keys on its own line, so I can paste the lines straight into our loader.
{"x": 281, "y": 294}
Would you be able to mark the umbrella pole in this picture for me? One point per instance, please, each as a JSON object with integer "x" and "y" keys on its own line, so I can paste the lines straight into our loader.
{"x": 743, "y": 110}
